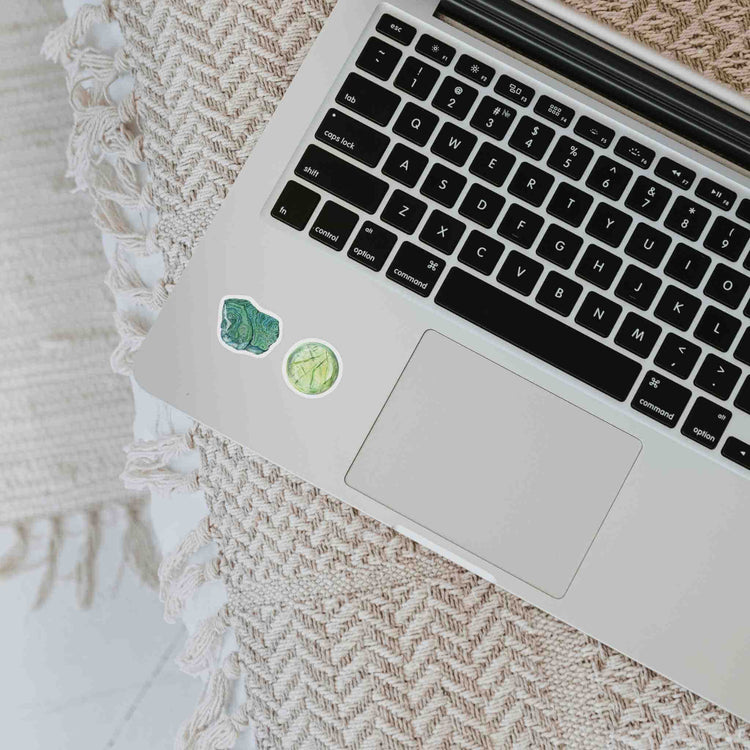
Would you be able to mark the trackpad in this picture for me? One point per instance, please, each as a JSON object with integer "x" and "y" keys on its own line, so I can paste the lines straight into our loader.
{"x": 486, "y": 459}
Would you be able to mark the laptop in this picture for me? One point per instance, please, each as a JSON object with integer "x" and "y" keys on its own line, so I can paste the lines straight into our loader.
{"x": 485, "y": 278}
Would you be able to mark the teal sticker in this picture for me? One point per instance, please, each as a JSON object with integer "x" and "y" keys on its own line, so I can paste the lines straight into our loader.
{"x": 245, "y": 327}
{"x": 312, "y": 368}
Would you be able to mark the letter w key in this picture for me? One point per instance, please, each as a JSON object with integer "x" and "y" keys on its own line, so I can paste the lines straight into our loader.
{"x": 454, "y": 144}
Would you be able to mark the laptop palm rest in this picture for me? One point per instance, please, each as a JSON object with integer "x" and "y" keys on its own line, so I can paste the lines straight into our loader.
{"x": 493, "y": 463}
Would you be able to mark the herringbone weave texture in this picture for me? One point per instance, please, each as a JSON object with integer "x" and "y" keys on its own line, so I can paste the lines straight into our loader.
{"x": 350, "y": 635}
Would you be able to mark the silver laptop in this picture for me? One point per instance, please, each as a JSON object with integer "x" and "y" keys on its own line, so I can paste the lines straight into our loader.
{"x": 486, "y": 279}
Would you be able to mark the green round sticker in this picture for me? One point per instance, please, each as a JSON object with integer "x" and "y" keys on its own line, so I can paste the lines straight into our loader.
{"x": 312, "y": 368}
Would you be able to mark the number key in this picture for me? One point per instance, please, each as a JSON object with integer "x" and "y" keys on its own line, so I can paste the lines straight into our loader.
{"x": 493, "y": 117}
{"x": 687, "y": 218}
{"x": 570, "y": 158}
{"x": 531, "y": 137}
{"x": 648, "y": 198}
{"x": 609, "y": 177}
{"x": 454, "y": 97}
{"x": 416, "y": 78}
{"x": 726, "y": 238}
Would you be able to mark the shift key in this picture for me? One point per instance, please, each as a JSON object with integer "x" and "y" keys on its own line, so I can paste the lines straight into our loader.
{"x": 341, "y": 178}
{"x": 352, "y": 137}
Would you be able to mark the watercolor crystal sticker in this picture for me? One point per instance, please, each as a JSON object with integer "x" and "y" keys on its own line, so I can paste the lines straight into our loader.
{"x": 245, "y": 327}
{"x": 312, "y": 368}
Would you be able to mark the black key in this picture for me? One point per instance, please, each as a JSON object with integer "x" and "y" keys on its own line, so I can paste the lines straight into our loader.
{"x": 415, "y": 269}
{"x": 717, "y": 328}
{"x": 706, "y": 422}
{"x": 396, "y": 29}
{"x": 648, "y": 198}
{"x": 530, "y": 184}
{"x": 454, "y": 98}
{"x": 660, "y": 398}
{"x": 378, "y": 58}
{"x": 538, "y": 333}
{"x": 559, "y": 245}
{"x": 436, "y": 50}
{"x": 531, "y": 137}
{"x": 453, "y": 144}
{"x": 637, "y": 287}
{"x": 415, "y": 124}
{"x": 442, "y": 232}
{"x": 368, "y": 99}
{"x": 559, "y": 293}
{"x": 742, "y": 352}
{"x": 352, "y": 137}
{"x": 717, "y": 376}
{"x": 609, "y": 177}
{"x": 594, "y": 131}
{"x": 493, "y": 117}
{"x": 677, "y": 356}
{"x": 372, "y": 246}
{"x": 675, "y": 173}
{"x": 481, "y": 205}
{"x": 677, "y": 307}
{"x": 569, "y": 204}
{"x": 726, "y": 285}
{"x": 341, "y": 178}
{"x": 333, "y": 225}
{"x": 687, "y": 265}
{"x": 570, "y": 158}
{"x": 742, "y": 399}
{"x": 727, "y": 238}
{"x": 403, "y": 211}
{"x": 492, "y": 164}
{"x": 736, "y": 450}
{"x": 634, "y": 152}
{"x": 514, "y": 90}
{"x": 598, "y": 314}
{"x": 556, "y": 112}
{"x": 637, "y": 335}
{"x": 743, "y": 210}
{"x": 520, "y": 272}
{"x": 481, "y": 252}
{"x": 416, "y": 77}
{"x": 608, "y": 224}
{"x": 295, "y": 205}
{"x": 405, "y": 165}
{"x": 443, "y": 185}
{"x": 474, "y": 70}
{"x": 717, "y": 194}
{"x": 599, "y": 266}
{"x": 520, "y": 225}
{"x": 687, "y": 218}
{"x": 648, "y": 245}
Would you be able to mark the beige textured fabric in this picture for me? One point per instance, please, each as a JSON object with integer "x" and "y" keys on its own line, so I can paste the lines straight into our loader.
{"x": 349, "y": 635}
{"x": 65, "y": 414}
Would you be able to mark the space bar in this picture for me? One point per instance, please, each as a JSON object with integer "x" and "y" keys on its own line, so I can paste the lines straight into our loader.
{"x": 539, "y": 334}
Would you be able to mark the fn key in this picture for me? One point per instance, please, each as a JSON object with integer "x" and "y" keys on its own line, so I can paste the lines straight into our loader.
{"x": 295, "y": 205}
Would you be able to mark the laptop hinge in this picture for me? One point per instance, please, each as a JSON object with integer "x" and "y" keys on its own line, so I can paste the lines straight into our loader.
{"x": 609, "y": 74}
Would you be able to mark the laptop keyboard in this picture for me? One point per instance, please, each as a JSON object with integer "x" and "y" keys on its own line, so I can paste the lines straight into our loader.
{"x": 548, "y": 225}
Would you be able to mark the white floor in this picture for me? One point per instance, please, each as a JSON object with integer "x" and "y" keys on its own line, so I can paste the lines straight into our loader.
{"x": 102, "y": 679}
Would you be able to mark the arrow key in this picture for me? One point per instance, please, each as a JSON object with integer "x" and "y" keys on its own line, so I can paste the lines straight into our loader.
{"x": 717, "y": 377}
{"x": 735, "y": 450}
{"x": 677, "y": 356}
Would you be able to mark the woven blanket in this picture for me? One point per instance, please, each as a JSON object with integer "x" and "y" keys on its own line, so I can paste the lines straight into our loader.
{"x": 346, "y": 633}
{"x": 60, "y": 461}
